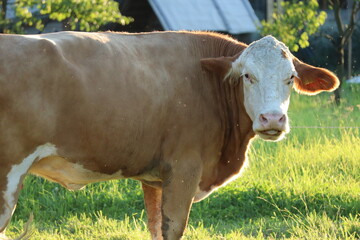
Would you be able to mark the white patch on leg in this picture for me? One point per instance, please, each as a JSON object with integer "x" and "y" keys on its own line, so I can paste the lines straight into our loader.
{"x": 15, "y": 175}
{"x": 201, "y": 194}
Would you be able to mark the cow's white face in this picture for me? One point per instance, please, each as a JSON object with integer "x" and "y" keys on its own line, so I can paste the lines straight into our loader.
{"x": 268, "y": 74}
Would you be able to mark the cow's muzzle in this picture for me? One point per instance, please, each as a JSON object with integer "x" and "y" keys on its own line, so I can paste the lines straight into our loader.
{"x": 272, "y": 126}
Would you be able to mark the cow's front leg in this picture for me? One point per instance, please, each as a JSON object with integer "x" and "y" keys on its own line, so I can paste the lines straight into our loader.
{"x": 152, "y": 198}
{"x": 180, "y": 181}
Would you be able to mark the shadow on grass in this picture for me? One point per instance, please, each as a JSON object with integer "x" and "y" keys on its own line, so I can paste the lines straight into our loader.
{"x": 258, "y": 202}
{"x": 232, "y": 208}
{"x": 226, "y": 210}
{"x": 51, "y": 203}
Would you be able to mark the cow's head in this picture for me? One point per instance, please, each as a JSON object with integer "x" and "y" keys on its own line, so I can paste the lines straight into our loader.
{"x": 269, "y": 71}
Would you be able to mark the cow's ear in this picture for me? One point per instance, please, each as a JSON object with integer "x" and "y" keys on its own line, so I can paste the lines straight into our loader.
{"x": 312, "y": 80}
{"x": 220, "y": 66}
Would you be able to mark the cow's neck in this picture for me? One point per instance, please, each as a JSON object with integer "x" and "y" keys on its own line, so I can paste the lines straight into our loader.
{"x": 236, "y": 124}
{"x": 237, "y": 132}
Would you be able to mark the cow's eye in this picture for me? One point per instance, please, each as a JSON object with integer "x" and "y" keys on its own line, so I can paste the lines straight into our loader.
{"x": 291, "y": 81}
{"x": 248, "y": 78}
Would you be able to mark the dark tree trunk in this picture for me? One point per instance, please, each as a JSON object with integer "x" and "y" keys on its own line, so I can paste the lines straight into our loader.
{"x": 345, "y": 33}
{"x": 340, "y": 70}
{"x": 3, "y": 7}
{"x": 3, "y": 15}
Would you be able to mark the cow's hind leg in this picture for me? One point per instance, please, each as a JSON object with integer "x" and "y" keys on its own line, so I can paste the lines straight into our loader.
{"x": 10, "y": 189}
{"x": 11, "y": 178}
{"x": 180, "y": 182}
{"x": 152, "y": 198}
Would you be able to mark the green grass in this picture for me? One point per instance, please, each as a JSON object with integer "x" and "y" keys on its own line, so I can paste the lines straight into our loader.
{"x": 304, "y": 187}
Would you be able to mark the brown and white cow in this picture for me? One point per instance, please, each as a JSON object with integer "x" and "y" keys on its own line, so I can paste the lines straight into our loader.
{"x": 174, "y": 110}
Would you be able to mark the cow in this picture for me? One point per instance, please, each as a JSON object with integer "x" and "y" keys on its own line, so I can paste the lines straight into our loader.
{"x": 175, "y": 110}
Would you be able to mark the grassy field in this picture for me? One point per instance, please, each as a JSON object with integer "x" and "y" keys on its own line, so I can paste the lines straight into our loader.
{"x": 305, "y": 187}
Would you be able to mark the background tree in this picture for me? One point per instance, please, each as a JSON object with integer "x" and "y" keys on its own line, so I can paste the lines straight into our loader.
{"x": 74, "y": 14}
{"x": 294, "y": 23}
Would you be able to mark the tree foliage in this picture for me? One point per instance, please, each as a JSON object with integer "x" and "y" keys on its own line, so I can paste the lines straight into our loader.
{"x": 296, "y": 21}
{"x": 74, "y": 14}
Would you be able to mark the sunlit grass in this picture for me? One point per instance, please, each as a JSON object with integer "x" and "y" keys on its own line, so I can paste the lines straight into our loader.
{"x": 304, "y": 187}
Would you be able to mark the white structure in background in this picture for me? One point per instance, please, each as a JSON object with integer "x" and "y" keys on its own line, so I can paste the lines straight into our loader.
{"x": 354, "y": 80}
{"x": 232, "y": 16}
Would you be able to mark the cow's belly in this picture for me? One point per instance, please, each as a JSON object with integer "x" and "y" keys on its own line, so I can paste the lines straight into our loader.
{"x": 71, "y": 175}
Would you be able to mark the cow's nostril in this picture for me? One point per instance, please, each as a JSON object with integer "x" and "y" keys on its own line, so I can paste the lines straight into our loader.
{"x": 282, "y": 119}
{"x": 272, "y": 120}
{"x": 263, "y": 119}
